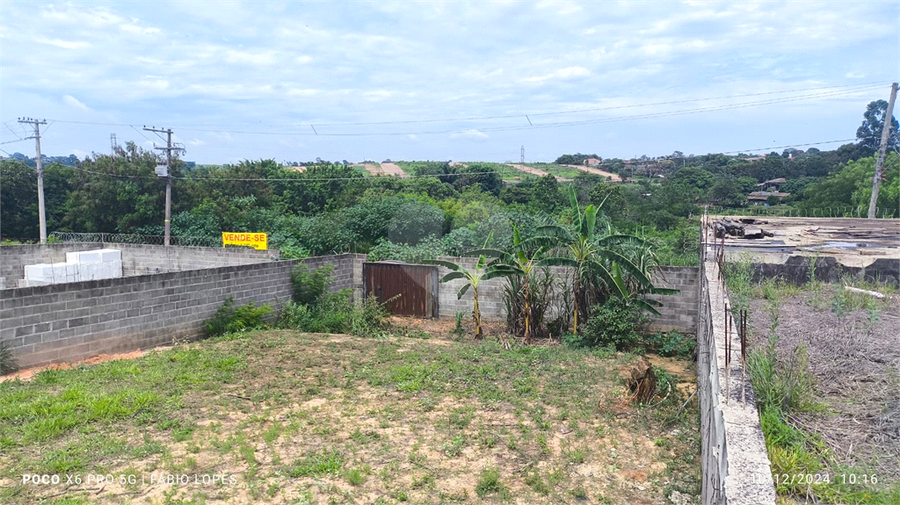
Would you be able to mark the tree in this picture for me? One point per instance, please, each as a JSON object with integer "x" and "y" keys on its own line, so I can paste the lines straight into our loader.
{"x": 18, "y": 198}
{"x": 415, "y": 221}
{"x": 869, "y": 133}
{"x": 545, "y": 194}
{"x": 728, "y": 192}
{"x": 486, "y": 176}
{"x": 121, "y": 193}
{"x": 852, "y": 187}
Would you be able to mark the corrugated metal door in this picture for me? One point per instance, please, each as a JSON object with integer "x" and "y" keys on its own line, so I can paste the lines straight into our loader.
{"x": 416, "y": 286}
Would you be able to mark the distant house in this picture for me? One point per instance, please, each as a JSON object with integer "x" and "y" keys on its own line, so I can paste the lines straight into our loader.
{"x": 592, "y": 162}
{"x": 766, "y": 190}
{"x": 771, "y": 185}
{"x": 762, "y": 197}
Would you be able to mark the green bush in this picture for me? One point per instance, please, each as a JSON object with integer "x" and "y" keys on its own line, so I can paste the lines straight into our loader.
{"x": 231, "y": 319}
{"x": 673, "y": 344}
{"x": 335, "y": 313}
{"x": 7, "y": 361}
{"x": 787, "y": 387}
{"x": 310, "y": 286}
{"x": 368, "y": 318}
{"x": 617, "y": 322}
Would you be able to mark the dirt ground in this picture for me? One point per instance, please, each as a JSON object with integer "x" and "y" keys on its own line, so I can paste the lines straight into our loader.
{"x": 385, "y": 169}
{"x": 853, "y": 344}
{"x": 535, "y": 171}
{"x": 591, "y": 170}
{"x": 29, "y": 373}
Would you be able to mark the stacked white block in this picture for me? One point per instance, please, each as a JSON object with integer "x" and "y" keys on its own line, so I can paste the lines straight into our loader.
{"x": 79, "y": 266}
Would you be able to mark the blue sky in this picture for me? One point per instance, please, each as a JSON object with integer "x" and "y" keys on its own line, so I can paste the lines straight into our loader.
{"x": 443, "y": 80}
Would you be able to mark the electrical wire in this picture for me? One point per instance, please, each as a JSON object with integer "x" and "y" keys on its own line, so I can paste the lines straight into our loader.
{"x": 825, "y": 92}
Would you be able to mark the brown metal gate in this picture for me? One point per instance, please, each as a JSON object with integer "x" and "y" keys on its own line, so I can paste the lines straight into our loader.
{"x": 416, "y": 286}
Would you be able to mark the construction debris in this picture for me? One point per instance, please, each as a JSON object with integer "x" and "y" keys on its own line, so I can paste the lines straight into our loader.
{"x": 725, "y": 226}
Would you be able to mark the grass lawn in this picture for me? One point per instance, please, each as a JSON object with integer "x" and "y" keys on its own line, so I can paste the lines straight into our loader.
{"x": 288, "y": 417}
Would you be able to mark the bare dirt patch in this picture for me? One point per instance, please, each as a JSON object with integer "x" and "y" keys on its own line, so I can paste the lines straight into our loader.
{"x": 853, "y": 344}
{"x": 29, "y": 373}
{"x": 591, "y": 170}
{"x": 535, "y": 171}
{"x": 385, "y": 169}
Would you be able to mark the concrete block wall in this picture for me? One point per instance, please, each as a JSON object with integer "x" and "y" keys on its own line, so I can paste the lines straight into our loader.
{"x": 734, "y": 463}
{"x": 490, "y": 294}
{"x": 68, "y": 322}
{"x": 347, "y": 271}
{"x": 137, "y": 259}
{"x": 679, "y": 311}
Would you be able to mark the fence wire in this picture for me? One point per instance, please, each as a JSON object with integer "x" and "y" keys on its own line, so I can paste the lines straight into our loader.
{"x": 779, "y": 211}
{"x": 131, "y": 238}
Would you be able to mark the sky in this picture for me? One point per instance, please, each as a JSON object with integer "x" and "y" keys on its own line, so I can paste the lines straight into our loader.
{"x": 443, "y": 80}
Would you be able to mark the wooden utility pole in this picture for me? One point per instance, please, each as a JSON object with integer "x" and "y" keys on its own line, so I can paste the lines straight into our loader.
{"x": 42, "y": 216}
{"x": 168, "y": 175}
{"x": 879, "y": 163}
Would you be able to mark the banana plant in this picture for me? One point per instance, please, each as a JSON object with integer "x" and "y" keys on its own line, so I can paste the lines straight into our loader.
{"x": 597, "y": 258}
{"x": 482, "y": 272}
{"x": 518, "y": 262}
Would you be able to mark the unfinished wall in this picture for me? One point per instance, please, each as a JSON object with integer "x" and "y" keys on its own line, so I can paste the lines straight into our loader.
{"x": 735, "y": 464}
{"x": 679, "y": 311}
{"x": 67, "y": 322}
{"x": 13, "y": 258}
{"x": 137, "y": 259}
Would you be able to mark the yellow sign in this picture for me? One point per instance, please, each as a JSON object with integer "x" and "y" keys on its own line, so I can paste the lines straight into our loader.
{"x": 258, "y": 241}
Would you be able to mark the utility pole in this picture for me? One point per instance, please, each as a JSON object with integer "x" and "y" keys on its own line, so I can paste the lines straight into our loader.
{"x": 879, "y": 163}
{"x": 167, "y": 174}
{"x": 42, "y": 216}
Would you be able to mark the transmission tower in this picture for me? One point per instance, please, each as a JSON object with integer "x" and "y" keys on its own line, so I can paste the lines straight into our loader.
{"x": 112, "y": 143}
{"x": 522, "y": 155}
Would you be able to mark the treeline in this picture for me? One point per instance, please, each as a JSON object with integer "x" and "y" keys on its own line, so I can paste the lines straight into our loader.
{"x": 445, "y": 210}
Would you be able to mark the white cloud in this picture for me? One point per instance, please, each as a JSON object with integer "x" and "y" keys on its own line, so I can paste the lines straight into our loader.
{"x": 139, "y": 30}
{"x": 413, "y": 137}
{"x": 196, "y": 142}
{"x": 561, "y": 74}
{"x": 562, "y": 7}
{"x": 470, "y": 135}
{"x": 74, "y": 102}
{"x": 260, "y": 58}
{"x": 379, "y": 94}
{"x": 64, "y": 44}
{"x": 302, "y": 92}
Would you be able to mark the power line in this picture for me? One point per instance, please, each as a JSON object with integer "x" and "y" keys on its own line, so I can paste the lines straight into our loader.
{"x": 821, "y": 93}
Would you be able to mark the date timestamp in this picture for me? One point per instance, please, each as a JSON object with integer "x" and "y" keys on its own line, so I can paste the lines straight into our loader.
{"x": 811, "y": 479}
